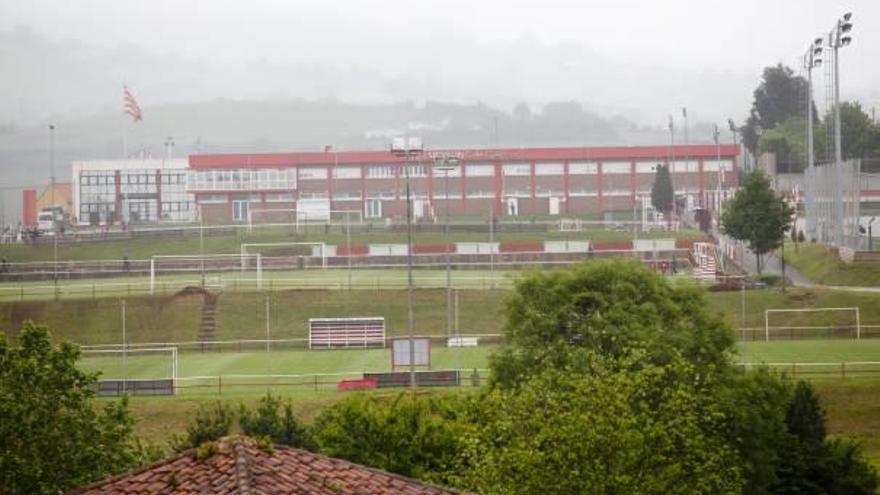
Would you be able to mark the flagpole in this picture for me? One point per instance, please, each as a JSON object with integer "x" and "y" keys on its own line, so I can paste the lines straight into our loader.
{"x": 124, "y": 143}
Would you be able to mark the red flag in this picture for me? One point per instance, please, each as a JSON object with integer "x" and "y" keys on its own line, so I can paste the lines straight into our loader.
{"x": 130, "y": 105}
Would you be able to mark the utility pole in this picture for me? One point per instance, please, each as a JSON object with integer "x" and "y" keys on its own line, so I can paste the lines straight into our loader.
{"x": 52, "y": 206}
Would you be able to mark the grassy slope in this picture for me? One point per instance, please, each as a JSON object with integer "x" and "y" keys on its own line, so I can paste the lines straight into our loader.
{"x": 729, "y": 305}
{"x": 822, "y": 267}
{"x": 242, "y": 315}
{"x": 143, "y": 248}
{"x": 163, "y": 319}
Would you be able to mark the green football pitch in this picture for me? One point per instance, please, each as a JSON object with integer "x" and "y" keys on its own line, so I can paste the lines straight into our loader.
{"x": 207, "y": 371}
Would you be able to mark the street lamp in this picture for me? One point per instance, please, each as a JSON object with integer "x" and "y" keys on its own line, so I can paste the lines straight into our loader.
{"x": 408, "y": 148}
{"x": 446, "y": 165}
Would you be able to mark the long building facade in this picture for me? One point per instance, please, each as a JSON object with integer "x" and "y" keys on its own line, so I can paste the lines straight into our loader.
{"x": 513, "y": 182}
{"x": 517, "y": 182}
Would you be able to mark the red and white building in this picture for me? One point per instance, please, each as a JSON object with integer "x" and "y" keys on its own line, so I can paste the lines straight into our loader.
{"x": 523, "y": 182}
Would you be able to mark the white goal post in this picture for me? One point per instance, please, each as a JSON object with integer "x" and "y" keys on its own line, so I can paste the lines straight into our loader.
{"x": 247, "y": 245}
{"x": 202, "y": 258}
{"x": 124, "y": 352}
{"x": 768, "y": 312}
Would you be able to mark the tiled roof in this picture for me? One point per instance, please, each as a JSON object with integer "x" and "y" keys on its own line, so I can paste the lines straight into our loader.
{"x": 241, "y": 467}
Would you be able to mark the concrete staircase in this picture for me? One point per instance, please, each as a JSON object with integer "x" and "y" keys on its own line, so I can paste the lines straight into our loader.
{"x": 208, "y": 321}
{"x": 705, "y": 263}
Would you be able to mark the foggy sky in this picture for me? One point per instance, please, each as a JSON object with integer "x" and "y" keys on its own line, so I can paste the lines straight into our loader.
{"x": 466, "y": 51}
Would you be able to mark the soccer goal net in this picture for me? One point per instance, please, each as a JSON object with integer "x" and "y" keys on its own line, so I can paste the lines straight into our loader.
{"x": 807, "y": 323}
{"x": 189, "y": 264}
{"x": 132, "y": 371}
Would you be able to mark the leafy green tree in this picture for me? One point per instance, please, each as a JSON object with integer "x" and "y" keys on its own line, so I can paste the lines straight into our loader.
{"x": 778, "y": 97}
{"x": 413, "y": 436}
{"x": 754, "y": 406}
{"x": 210, "y": 422}
{"x": 787, "y": 140}
{"x": 859, "y": 135}
{"x": 275, "y": 420}
{"x": 647, "y": 429}
{"x": 757, "y": 216}
{"x": 662, "y": 193}
{"x": 613, "y": 308}
{"x": 813, "y": 464}
{"x": 51, "y": 437}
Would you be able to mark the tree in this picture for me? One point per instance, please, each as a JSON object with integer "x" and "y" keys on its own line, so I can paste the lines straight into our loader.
{"x": 613, "y": 309}
{"x": 813, "y": 464}
{"x": 51, "y": 437}
{"x": 859, "y": 136}
{"x": 642, "y": 430}
{"x": 787, "y": 140}
{"x": 778, "y": 97}
{"x": 757, "y": 216}
{"x": 270, "y": 421}
{"x": 662, "y": 193}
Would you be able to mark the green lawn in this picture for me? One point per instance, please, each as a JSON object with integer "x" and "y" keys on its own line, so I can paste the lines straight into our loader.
{"x": 284, "y": 362}
{"x": 823, "y": 267}
{"x": 241, "y": 315}
{"x": 144, "y": 247}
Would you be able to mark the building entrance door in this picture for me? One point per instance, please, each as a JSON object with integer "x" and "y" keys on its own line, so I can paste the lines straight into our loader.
{"x": 513, "y": 207}
{"x": 554, "y": 206}
{"x": 240, "y": 210}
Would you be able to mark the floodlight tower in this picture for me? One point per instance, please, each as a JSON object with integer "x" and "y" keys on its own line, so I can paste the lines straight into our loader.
{"x": 447, "y": 164}
{"x": 409, "y": 148}
{"x": 812, "y": 59}
{"x": 839, "y": 37}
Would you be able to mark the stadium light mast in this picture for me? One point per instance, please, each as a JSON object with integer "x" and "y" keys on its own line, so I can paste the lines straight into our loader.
{"x": 409, "y": 148}
{"x": 839, "y": 37}
{"x": 52, "y": 205}
{"x": 447, "y": 164}
{"x": 812, "y": 59}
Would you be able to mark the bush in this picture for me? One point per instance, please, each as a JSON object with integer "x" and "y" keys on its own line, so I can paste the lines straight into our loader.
{"x": 211, "y": 422}
{"x": 279, "y": 425}
{"x": 413, "y": 436}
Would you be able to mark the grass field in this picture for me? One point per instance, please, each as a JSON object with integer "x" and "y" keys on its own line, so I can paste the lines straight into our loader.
{"x": 852, "y": 404}
{"x": 823, "y": 267}
{"x": 144, "y": 247}
{"x": 354, "y": 361}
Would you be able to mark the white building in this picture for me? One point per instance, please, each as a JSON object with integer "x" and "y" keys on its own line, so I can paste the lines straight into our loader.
{"x": 131, "y": 191}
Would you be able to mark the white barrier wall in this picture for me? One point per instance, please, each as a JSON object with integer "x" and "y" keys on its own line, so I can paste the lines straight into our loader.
{"x": 476, "y": 247}
{"x": 648, "y": 245}
{"x": 387, "y": 249}
{"x": 566, "y": 246}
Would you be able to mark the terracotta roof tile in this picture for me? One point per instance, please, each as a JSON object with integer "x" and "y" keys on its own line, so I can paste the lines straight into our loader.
{"x": 240, "y": 467}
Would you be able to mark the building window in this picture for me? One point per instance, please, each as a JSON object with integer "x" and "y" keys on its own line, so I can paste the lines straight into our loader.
{"x": 583, "y": 168}
{"x": 279, "y": 197}
{"x": 381, "y": 172}
{"x": 374, "y": 208}
{"x": 479, "y": 170}
{"x": 517, "y": 170}
{"x": 549, "y": 169}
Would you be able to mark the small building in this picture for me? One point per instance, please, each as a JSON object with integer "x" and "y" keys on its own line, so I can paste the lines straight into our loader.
{"x": 241, "y": 466}
{"x": 131, "y": 191}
